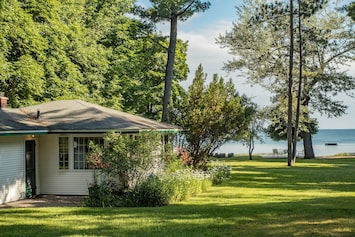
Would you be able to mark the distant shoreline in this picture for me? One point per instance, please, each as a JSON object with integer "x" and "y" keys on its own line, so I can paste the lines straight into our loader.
{"x": 343, "y": 138}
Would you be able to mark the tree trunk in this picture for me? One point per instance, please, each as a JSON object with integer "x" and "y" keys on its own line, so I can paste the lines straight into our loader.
{"x": 289, "y": 93}
{"x": 251, "y": 147}
{"x": 308, "y": 146}
{"x": 307, "y": 136}
{"x": 299, "y": 92}
{"x": 169, "y": 68}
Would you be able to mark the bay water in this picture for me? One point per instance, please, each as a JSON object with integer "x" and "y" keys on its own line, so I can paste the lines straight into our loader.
{"x": 341, "y": 140}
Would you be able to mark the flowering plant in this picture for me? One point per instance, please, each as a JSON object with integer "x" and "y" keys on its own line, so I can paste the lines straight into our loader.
{"x": 185, "y": 157}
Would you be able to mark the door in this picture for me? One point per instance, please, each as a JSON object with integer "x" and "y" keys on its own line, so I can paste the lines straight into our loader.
{"x": 30, "y": 168}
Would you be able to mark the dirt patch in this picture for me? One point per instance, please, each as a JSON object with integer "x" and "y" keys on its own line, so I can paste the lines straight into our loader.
{"x": 47, "y": 201}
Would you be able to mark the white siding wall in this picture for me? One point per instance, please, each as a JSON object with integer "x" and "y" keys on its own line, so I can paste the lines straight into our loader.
{"x": 56, "y": 181}
{"x": 12, "y": 170}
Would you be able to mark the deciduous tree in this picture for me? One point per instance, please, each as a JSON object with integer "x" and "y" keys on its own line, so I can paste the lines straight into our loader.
{"x": 255, "y": 128}
{"x": 89, "y": 50}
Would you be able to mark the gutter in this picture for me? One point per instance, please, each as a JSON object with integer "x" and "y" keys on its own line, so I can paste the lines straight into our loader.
{"x": 30, "y": 132}
{"x": 22, "y": 132}
{"x": 108, "y": 130}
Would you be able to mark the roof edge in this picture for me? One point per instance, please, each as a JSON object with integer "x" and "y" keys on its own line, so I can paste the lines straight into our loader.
{"x": 122, "y": 131}
{"x": 23, "y": 132}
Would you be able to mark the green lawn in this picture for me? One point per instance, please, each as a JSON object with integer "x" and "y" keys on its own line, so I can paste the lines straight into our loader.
{"x": 263, "y": 198}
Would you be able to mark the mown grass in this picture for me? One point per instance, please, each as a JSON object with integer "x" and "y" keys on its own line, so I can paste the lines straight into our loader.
{"x": 263, "y": 198}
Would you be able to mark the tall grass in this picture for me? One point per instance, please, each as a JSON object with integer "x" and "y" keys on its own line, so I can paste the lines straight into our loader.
{"x": 185, "y": 183}
{"x": 264, "y": 197}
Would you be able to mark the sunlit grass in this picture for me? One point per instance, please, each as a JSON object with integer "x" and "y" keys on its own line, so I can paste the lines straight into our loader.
{"x": 265, "y": 197}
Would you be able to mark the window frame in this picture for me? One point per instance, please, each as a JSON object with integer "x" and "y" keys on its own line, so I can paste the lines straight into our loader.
{"x": 63, "y": 150}
{"x": 71, "y": 138}
{"x": 81, "y": 150}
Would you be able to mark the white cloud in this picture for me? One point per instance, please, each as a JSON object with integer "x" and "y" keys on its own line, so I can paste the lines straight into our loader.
{"x": 204, "y": 50}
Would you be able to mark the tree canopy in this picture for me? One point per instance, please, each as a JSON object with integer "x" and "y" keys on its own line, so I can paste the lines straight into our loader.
{"x": 212, "y": 115}
{"x": 259, "y": 42}
{"x": 92, "y": 50}
{"x": 171, "y": 11}
{"x": 351, "y": 10}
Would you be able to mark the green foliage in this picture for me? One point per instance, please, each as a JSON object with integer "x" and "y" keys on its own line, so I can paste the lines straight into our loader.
{"x": 127, "y": 163}
{"x": 276, "y": 114}
{"x": 51, "y": 50}
{"x": 22, "y": 50}
{"x": 150, "y": 193}
{"x": 263, "y": 198}
{"x": 164, "y": 10}
{"x": 101, "y": 195}
{"x": 258, "y": 42}
{"x": 219, "y": 173}
{"x": 140, "y": 74}
{"x": 351, "y": 10}
{"x": 258, "y": 39}
{"x": 29, "y": 193}
{"x": 129, "y": 159}
{"x": 255, "y": 128}
{"x": 185, "y": 183}
{"x": 211, "y": 115}
{"x": 134, "y": 172}
{"x": 171, "y": 11}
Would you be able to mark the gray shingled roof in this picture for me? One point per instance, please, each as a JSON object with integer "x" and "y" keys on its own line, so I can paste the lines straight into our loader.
{"x": 14, "y": 122}
{"x": 74, "y": 116}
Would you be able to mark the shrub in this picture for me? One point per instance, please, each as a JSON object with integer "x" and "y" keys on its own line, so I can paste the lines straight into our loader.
{"x": 151, "y": 192}
{"x": 101, "y": 195}
{"x": 127, "y": 160}
{"x": 219, "y": 173}
{"x": 154, "y": 191}
{"x": 135, "y": 173}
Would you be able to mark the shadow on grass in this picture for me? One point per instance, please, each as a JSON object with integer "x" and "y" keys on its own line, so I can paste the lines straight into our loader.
{"x": 315, "y": 217}
{"x": 260, "y": 200}
{"x": 333, "y": 175}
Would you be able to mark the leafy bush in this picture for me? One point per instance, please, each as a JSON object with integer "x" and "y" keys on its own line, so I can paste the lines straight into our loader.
{"x": 102, "y": 195}
{"x": 134, "y": 173}
{"x": 128, "y": 160}
{"x": 219, "y": 173}
{"x": 151, "y": 192}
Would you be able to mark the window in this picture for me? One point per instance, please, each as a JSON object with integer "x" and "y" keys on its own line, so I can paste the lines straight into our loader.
{"x": 82, "y": 150}
{"x": 63, "y": 153}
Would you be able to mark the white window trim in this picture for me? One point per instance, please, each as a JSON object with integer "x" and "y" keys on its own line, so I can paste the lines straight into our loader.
{"x": 71, "y": 151}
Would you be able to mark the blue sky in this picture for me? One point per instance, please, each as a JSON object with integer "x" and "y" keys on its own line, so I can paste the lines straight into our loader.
{"x": 201, "y": 32}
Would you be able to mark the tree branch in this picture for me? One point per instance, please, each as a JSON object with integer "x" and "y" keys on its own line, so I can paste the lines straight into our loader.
{"x": 339, "y": 54}
{"x": 185, "y": 9}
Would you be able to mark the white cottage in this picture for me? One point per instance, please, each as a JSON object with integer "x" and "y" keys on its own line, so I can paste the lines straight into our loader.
{"x": 43, "y": 147}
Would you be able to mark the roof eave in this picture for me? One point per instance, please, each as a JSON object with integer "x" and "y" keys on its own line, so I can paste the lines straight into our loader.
{"x": 23, "y": 132}
{"x": 172, "y": 130}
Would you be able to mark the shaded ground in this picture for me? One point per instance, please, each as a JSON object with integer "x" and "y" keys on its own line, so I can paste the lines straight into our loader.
{"x": 47, "y": 201}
